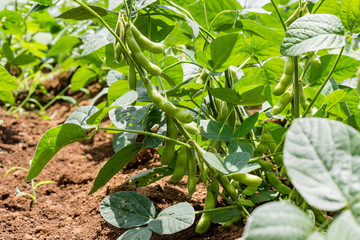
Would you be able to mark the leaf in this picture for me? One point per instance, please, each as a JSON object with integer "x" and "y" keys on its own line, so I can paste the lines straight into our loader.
{"x": 322, "y": 159}
{"x": 127, "y": 209}
{"x": 126, "y": 99}
{"x": 241, "y": 146}
{"x": 44, "y": 2}
{"x": 224, "y": 215}
{"x": 226, "y": 94}
{"x": 312, "y": 33}
{"x": 254, "y": 6}
{"x": 81, "y": 115}
{"x": 95, "y": 41}
{"x": 173, "y": 219}
{"x": 345, "y": 226}
{"x": 7, "y": 97}
{"x": 63, "y": 45}
{"x": 264, "y": 196}
{"x": 119, "y": 160}
{"x": 336, "y": 98}
{"x": 113, "y": 76}
{"x": 262, "y": 31}
{"x": 116, "y": 90}
{"x": 215, "y": 162}
{"x": 81, "y": 78}
{"x": 246, "y": 125}
{"x": 346, "y": 68}
{"x": 128, "y": 117}
{"x": 214, "y": 130}
{"x": 50, "y": 143}
{"x": 279, "y": 221}
{"x": 234, "y": 162}
{"x": 80, "y": 13}
{"x": 350, "y": 14}
{"x": 139, "y": 233}
{"x": 150, "y": 176}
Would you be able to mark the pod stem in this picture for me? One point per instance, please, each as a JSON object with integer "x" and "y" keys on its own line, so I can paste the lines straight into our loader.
{"x": 279, "y": 15}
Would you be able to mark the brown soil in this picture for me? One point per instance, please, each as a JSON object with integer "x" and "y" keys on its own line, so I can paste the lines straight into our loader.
{"x": 65, "y": 210}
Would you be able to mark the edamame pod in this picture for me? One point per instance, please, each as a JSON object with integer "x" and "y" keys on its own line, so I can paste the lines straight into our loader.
{"x": 191, "y": 128}
{"x": 146, "y": 43}
{"x": 120, "y": 30}
{"x": 247, "y": 179}
{"x": 286, "y": 78}
{"x": 276, "y": 183}
{"x": 191, "y": 167}
{"x": 284, "y": 101}
{"x": 169, "y": 152}
{"x": 132, "y": 77}
{"x": 139, "y": 56}
{"x": 205, "y": 219}
{"x": 314, "y": 59}
{"x": 180, "y": 165}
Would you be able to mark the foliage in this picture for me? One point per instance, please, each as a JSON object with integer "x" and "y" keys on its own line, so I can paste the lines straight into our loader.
{"x": 188, "y": 77}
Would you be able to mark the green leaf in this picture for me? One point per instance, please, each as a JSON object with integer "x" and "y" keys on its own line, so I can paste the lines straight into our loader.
{"x": 81, "y": 78}
{"x": 346, "y": 68}
{"x": 51, "y": 142}
{"x": 7, "y": 97}
{"x": 176, "y": 73}
{"x": 224, "y": 215}
{"x": 173, "y": 219}
{"x": 345, "y": 226}
{"x": 241, "y": 146}
{"x": 127, "y": 209}
{"x": 116, "y": 90}
{"x": 81, "y": 115}
{"x": 224, "y": 51}
{"x": 322, "y": 159}
{"x": 215, "y": 162}
{"x": 254, "y": 6}
{"x": 113, "y": 76}
{"x": 234, "y": 162}
{"x": 94, "y": 41}
{"x": 312, "y": 33}
{"x": 264, "y": 196}
{"x": 139, "y": 233}
{"x": 280, "y": 221}
{"x": 246, "y": 125}
{"x": 119, "y": 160}
{"x": 214, "y": 130}
{"x": 226, "y": 94}
{"x": 44, "y": 2}
{"x": 150, "y": 176}
{"x": 336, "y": 98}
{"x": 126, "y": 99}
{"x": 128, "y": 117}
{"x": 80, "y": 13}
{"x": 63, "y": 45}
{"x": 262, "y": 31}
{"x": 25, "y": 59}
{"x": 350, "y": 14}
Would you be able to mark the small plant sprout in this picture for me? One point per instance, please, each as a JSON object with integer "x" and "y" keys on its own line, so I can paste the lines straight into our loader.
{"x": 19, "y": 193}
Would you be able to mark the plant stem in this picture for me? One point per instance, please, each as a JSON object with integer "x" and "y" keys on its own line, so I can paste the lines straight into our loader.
{"x": 279, "y": 15}
{"x": 296, "y": 96}
{"x": 318, "y": 6}
{"x": 324, "y": 83}
{"x": 55, "y": 98}
{"x": 145, "y": 133}
{"x": 262, "y": 157}
{"x": 34, "y": 193}
{"x": 215, "y": 209}
{"x": 180, "y": 62}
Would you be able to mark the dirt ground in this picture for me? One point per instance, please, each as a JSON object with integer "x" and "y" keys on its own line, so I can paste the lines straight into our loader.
{"x": 65, "y": 210}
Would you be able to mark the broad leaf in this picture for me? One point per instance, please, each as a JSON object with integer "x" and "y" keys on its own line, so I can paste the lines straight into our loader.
{"x": 234, "y": 162}
{"x": 128, "y": 117}
{"x": 254, "y": 6}
{"x": 214, "y": 130}
{"x": 279, "y": 221}
{"x": 51, "y": 142}
{"x": 81, "y": 115}
{"x": 246, "y": 125}
{"x": 215, "y": 162}
{"x": 226, "y": 94}
{"x": 81, "y": 78}
{"x": 127, "y": 209}
{"x": 322, "y": 159}
{"x": 63, "y": 45}
{"x": 139, "y": 233}
{"x": 119, "y": 160}
{"x": 345, "y": 226}
{"x": 7, "y": 81}
{"x": 350, "y": 14}
{"x": 312, "y": 33}
{"x": 173, "y": 219}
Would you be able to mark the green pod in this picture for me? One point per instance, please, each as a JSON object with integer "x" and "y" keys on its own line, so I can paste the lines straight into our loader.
{"x": 120, "y": 30}
{"x": 205, "y": 219}
{"x": 293, "y": 17}
{"x": 180, "y": 165}
{"x": 303, "y": 100}
{"x": 276, "y": 183}
{"x": 169, "y": 151}
{"x": 314, "y": 59}
{"x": 248, "y": 191}
{"x": 191, "y": 167}
{"x": 166, "y": 106}
{"x": 233, "y": 221}
{"x": 286, "y": 78}
{"x": 191, "y": 128}
{"x": 132, "y": 77}
{"x": 146, "y": 43}
{"x": 283, "y": 172}
{"x": 265, "y": 165}
{"x": 247, "y": 179}
{"x": 284, "y": 101}
{"x": 139, "y": 56}
{"x": 225, "y": 183}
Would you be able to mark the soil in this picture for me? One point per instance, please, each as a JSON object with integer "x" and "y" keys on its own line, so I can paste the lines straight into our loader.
{"x": 64, "y": 208}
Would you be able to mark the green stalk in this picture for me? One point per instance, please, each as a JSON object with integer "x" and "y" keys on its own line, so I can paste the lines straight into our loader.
{"x": 279, "y": 15}
{"x": 318, "y": 6}
{"x": 324, "y": 83}
{"x": 296, "y": 96}
{"x": 262, "y": 157}
{"x": 215, "y": 209}
{"x": 55, "y": 98}
{"x": 145, "y": 133}
{"x": 34, "y": 193}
